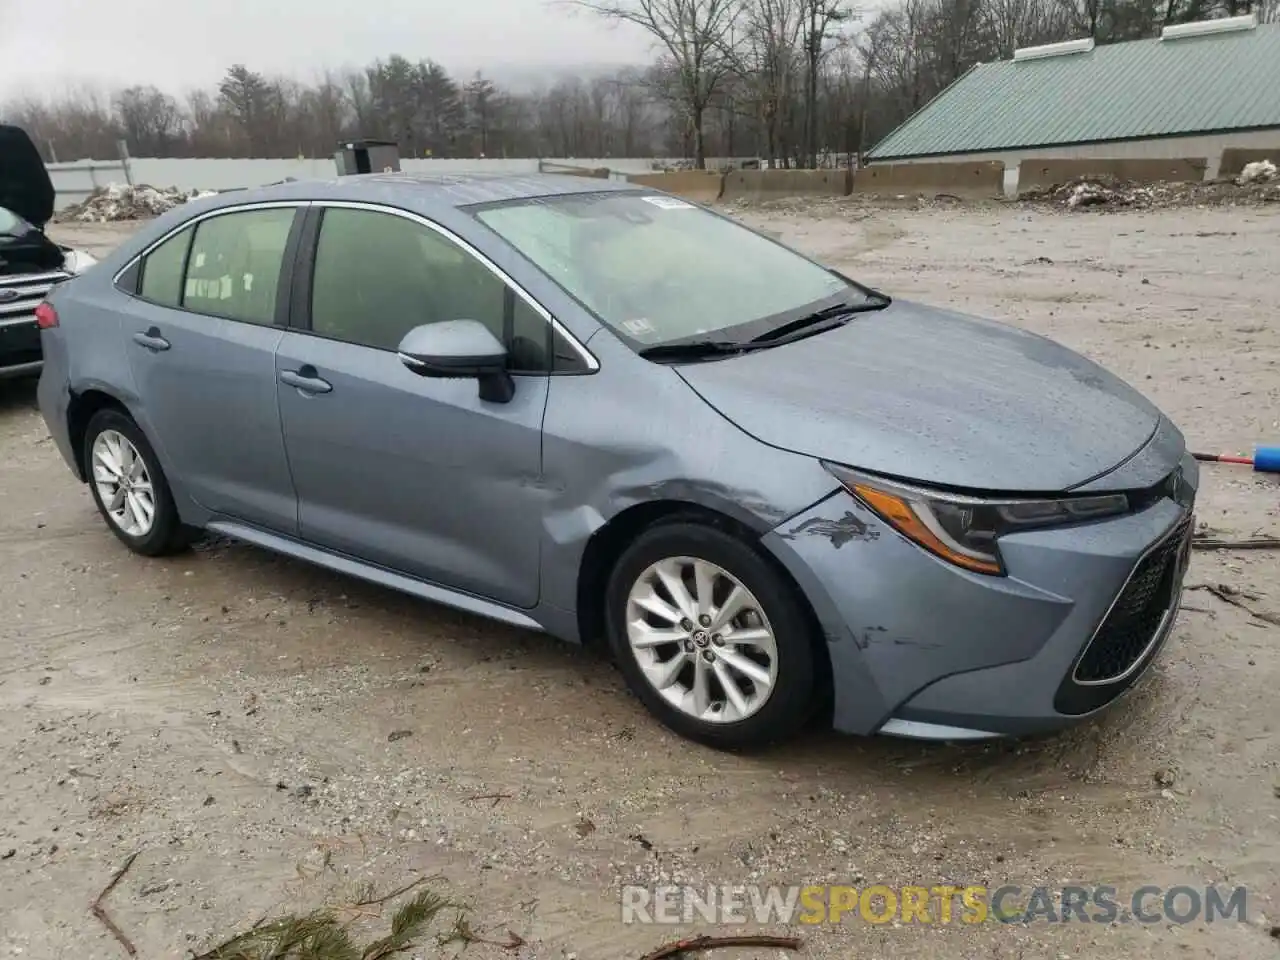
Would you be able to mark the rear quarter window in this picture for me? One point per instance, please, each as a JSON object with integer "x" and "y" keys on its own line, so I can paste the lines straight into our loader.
{"x": 161, "y": 280}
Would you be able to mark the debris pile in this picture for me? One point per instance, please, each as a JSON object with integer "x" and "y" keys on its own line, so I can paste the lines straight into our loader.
{"x": 124, "y": 202}
{"x": 1260, "y": 171}
{"x": 1259, "y": 185}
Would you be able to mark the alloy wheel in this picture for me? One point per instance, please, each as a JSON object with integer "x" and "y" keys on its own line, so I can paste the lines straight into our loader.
{"x": 123, "y": 483}
{"x": 702, "y": 640}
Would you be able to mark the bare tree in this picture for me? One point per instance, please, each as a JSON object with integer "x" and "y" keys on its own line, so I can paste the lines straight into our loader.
{"x": 330, "y": 114}
{"x": 819, "y": 23}
{"x": 696, "y": 38}
{"x": 358, "y": 94}
{"x": 1010, "y": 24}
{"x": 79, "y": 125}
{"x": 480, "y": 95}
{"x": 151, "y": 121}
{"x": 954, "y": 38}
{"x": 767, "y": 63}
{"x": 633, "y": 115}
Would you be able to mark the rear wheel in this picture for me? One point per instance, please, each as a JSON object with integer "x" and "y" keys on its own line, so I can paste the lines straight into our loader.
{"x": 710, "y": 637}
{"x": 129, "y": 486}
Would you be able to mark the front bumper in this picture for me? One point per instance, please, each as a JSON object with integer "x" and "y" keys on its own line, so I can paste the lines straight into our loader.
{"x": 20, "y": 353}
{"x": 921, "y": 648}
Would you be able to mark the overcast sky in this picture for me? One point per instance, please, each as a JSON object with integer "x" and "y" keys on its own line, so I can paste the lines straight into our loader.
{"x": 55, "y": 45}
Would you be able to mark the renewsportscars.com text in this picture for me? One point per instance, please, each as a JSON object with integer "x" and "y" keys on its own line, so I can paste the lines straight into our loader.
{"x": 942, "y": 903}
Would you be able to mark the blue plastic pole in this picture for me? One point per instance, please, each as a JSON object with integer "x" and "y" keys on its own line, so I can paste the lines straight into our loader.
{"x": 1266, "y": 459}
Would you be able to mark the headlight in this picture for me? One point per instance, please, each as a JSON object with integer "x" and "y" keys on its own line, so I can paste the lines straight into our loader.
{"x": 77, "y": 261}
{"x": 961, "y": 529}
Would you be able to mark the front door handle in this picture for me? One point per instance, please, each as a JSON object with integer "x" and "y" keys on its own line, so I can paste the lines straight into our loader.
{"x": 151, "y": 340}
{"x": 306, "y": 379}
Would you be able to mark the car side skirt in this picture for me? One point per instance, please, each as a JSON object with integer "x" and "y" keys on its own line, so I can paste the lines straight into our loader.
{"x": 341, "y": 563}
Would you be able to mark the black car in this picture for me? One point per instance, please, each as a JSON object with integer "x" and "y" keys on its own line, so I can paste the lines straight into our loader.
{"x": 30, "y": 263}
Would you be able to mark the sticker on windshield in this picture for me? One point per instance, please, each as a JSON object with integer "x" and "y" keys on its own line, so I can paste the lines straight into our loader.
{"x": 668, "y": 203}
{"x": 638, "y": 327}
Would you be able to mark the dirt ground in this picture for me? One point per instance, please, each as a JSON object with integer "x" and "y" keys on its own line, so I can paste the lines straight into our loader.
{"x": 270, "y": 736}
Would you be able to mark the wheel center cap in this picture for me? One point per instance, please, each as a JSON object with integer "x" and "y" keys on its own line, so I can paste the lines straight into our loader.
{"x": 700, "y": 638}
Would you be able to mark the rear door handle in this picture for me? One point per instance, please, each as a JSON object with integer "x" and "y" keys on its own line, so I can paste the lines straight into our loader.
{"x": 306, "y": 380}
{"x": 151, "y": 340}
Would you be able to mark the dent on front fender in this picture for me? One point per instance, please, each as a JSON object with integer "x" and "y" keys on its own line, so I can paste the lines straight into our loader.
{"x": 641, "y": 436}
{"x": 897, "y": 618}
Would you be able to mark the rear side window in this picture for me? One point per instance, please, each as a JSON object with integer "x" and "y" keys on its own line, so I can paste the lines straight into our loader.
{"x": 234, "y": 267}
{"x": 162, "y": 270}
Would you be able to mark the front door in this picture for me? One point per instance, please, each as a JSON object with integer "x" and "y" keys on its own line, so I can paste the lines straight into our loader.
{"x": 412, "y": 473}
{"x": 201, "y": 340}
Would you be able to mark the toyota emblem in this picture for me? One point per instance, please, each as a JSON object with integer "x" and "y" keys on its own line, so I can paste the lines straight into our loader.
{"x": 8, "y": 296}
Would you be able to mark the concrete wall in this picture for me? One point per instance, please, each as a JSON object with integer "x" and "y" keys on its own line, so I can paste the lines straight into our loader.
{"x": 596, "y": 173}
{"x": 765, "y": 184}
{"x": 981, "y": 179}
{"x": 1235, "y": 158}
{"x": 1035, "y": 173}
{"x": 700, "y": 186}
{"x": 1209, "y": 146}
{"x": 74, "y": 181}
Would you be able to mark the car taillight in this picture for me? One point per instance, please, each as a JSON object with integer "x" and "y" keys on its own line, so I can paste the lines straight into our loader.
{"x": 46, "y": 316}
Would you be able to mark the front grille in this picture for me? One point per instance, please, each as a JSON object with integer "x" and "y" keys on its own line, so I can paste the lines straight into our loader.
{"x": 1139, "y": 611}
{"x": 19, "y": 297}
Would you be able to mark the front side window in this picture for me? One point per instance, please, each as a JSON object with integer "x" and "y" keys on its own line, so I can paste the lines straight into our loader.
{"x": 378, "y": 275}
{"x": 233, "y": 269}
{"x": 657, "y": 269}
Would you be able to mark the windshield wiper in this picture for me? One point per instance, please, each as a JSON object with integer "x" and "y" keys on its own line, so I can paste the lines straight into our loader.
{"x": 833, "y": 312}
{"x": 698, "y": 349}
{"x": 703, "y": 349}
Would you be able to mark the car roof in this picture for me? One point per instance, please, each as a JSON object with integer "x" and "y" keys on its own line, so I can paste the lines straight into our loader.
{"x": 424, "y": 192}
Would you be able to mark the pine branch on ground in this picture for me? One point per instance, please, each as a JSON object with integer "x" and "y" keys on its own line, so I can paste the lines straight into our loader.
{"x": 321, "y": 935}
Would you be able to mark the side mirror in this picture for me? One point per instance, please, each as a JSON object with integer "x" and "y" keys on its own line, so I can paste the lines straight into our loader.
{"x": 459, "y": 350}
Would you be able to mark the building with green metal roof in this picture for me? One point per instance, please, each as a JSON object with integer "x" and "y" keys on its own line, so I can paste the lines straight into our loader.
{"x": 1196, "y": 90}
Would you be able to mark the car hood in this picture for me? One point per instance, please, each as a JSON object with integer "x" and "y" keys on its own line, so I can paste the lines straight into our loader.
{"x": 925, "y": 394}
{"x": 25, "y": 187}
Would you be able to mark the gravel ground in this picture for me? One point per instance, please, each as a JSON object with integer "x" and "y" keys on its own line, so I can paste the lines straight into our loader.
{"x": 270, "y": 736}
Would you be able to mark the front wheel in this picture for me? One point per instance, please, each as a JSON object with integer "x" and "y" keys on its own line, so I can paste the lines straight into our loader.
{"x": 711, "y": 638}
{"x": 129, "y": 487}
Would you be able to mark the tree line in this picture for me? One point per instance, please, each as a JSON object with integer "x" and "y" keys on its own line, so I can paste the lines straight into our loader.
{"x": 796, "y": 82}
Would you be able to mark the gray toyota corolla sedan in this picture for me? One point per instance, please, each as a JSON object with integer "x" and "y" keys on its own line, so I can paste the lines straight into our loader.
{"x": 603, "y": 412}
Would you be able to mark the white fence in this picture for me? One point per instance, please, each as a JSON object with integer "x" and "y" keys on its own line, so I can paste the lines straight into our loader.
{"x": 74, "y": 181}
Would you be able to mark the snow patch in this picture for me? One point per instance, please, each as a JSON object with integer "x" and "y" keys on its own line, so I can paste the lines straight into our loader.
{"x": 1260, "y": 171}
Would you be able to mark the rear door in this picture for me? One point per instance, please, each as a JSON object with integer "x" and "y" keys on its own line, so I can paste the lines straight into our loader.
{"x": 211, "y": 309}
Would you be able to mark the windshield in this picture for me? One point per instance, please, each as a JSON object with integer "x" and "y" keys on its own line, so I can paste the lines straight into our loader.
{"x": 658, "y": 269}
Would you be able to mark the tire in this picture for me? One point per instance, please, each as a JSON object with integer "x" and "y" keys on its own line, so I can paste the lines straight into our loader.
{"x": 165, "y": 533}
{"x": 791, "y": 699}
